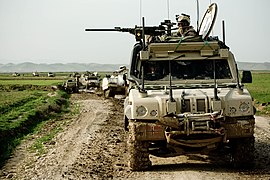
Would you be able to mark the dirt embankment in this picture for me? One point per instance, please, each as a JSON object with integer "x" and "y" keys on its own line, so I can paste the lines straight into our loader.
{"x": 93, "y": 146}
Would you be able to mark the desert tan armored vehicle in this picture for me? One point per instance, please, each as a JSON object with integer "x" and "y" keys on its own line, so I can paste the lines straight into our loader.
{"x": 90, "y": 81}
{"x": 115, "y": 84}
{"x": 15, "y": 74}
{"x": 75, "y": 75}
{"x": 35, "y": 74}
{"x": 71, "y": 85}
{"x": 186, "y": 97}
{"x": 50, "y": 74}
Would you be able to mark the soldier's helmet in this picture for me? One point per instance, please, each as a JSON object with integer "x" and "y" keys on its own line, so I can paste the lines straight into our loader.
{"x": 183, "y": 17}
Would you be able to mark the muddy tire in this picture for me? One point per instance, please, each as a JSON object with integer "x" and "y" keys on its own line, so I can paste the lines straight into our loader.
{"x": 108, "y": 93}
{"x": 138, "y": 151}
{"x": 126, "y": 122}
{"x": 242, "y": 155}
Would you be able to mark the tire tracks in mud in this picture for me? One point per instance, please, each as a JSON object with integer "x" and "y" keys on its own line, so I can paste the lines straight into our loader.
{"x": 71, "y": 142}
{"x": 104, "y": 156}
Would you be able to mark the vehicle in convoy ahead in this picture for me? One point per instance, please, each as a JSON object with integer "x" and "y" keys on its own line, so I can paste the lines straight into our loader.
{"x": 35, "y": 74}
{"x": 90, "y": 81}
{"x": 50, "y": 74}
{"x": 15, "y": 74}
{"x": 115, "y": 84}
{"x": 71, "y": 85}
{"x": 186, "y": 97}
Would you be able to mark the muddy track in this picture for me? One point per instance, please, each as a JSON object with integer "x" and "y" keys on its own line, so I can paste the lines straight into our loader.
{"x": 93, "y": 146}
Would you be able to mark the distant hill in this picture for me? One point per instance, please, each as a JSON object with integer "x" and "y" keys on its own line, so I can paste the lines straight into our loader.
{"x": 253, "y": 66}
{"x": 57, "y": 67}
{"x": 80, "y": 67}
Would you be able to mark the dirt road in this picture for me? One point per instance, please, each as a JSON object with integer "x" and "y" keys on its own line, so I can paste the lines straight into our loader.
{"x": 92, "y": 146}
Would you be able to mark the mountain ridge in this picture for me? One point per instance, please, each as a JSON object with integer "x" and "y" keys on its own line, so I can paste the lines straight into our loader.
{"x": 72, "y": 67}
{"x": 57, "y": 67}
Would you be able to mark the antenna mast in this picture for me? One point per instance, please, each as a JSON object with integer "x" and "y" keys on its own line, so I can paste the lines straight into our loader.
{"x": 198, "y": 14}
{"x": 168, "y": 8}
{"x": 140, "y": 11}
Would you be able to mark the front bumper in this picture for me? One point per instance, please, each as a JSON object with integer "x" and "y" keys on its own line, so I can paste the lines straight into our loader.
{"x": 195, "y": 128}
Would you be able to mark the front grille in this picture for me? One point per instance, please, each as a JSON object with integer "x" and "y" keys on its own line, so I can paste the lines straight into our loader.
{"x": 186, "y": 106}
{"x": 200, "y": 105}
{"x": 200, "y": 125}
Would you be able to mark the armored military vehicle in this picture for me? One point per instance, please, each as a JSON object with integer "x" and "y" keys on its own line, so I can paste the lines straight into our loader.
{"x": 71, "y": 85}
{"x": 35, "y": 74}
{"x": 15, "y": 74}
{"x": 50, "y": 74}
{"x": 115, "y": 84}
{"x": 90, "y": 81}
{"x": 186, "y": 97}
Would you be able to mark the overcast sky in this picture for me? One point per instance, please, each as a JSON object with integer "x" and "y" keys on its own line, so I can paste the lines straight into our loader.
{"x": 52, "y": 31}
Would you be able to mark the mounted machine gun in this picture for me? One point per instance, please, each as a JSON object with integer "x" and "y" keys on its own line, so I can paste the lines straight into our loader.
{"x": 139, "y": 31}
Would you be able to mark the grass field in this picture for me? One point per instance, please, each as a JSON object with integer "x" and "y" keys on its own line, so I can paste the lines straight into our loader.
{"x": 22, "y": 110}
{"x": 260, "y": 91}
{"x": 7, "y": 79}
{"x": 40, "y": 82}
{"x": 17, "y": 107}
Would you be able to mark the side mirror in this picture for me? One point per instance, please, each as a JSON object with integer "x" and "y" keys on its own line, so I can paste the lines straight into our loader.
{"x": 246, "y": 77}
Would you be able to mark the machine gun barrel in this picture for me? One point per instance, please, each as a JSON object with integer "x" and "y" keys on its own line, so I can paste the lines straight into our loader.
{"x": 100, "y": 30}
{"x": 137, "y": 31}
{"x": 148, "y": 30}
{"x": 130, "y": 30}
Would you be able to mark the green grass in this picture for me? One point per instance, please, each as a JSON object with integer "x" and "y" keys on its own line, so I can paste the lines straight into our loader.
{"x": 260, "y": 91}
{"x": 24, "y": 105}
{"x": 9, "y": 100}
{"x": 38, "y": 145}
{"x": 22, "y": 111}
{"x": 47, "y": 130}
{"x": 39, "y": 82}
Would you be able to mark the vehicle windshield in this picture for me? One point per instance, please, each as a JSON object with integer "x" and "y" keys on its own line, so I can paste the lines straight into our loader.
{"x": 186, "y": 69}
{"x": 92, "y": 78}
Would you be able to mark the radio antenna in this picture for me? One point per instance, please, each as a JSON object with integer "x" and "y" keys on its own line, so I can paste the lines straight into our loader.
{"x": 198, "y": 14}
{"x": 140, "y": 11}
{"x": 168, "y": 8}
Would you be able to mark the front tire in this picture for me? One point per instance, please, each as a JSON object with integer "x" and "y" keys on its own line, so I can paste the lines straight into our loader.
{"x": 138, "y": 151}
{"x": 126, "y": 122}
{"x": 243, "y": 152}
{"x": 108, "y": 93}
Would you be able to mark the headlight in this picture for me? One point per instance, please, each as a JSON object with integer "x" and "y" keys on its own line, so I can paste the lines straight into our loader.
{"x": 153, "y": 113}
{"x": 141, "y": 111}
{"x": 232, "y": 110}
{"x": 244, "y": 107}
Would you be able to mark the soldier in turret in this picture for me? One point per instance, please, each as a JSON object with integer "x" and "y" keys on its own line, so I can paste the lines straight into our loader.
{"x": 184, "y": 28}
